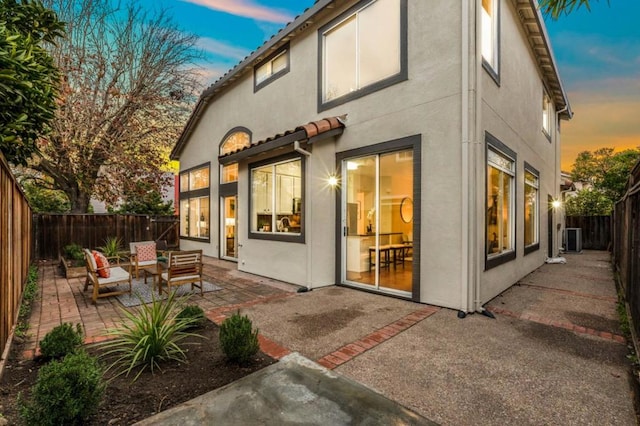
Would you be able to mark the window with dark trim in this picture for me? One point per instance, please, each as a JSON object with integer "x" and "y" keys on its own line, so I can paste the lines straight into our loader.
{"x": 277, "y": 199}
{"x": 273, "y": 67}
{"x": 236, "y": 139}
{"x": 531, "y": 209}
{"x": 546, "y": 114}
{"x": 362, "y": 51}
{"x": 490, "y": 37}
{"x": 194, "y": 203}
{"x": 500, "y": 207}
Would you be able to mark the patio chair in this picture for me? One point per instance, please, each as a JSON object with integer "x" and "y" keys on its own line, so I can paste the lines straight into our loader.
{"x": 116, "y": 276}
{"x": 144, "y": 255}
{"x": 183, "y": 267}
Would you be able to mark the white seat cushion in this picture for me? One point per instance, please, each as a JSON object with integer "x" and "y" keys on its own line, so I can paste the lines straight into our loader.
{"x": 147, "y": 263}
{"x": 165, "y": 277}
{"x": 117, "y": 274}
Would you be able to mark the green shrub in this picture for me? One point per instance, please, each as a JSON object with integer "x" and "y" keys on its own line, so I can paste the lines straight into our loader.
{"x": 112, "y": 247}
{"x": 238, "y": 339}
{"x": 193, "y": 314}
{"x": 28, "y": 295}
{"x": 66, "y": 392}
{"x": 150, "y": 335}
{"x": 62, "y": 340}
{"x": 73, "y": 252}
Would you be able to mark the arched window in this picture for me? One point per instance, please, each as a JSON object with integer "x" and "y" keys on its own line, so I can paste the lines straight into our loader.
{"x": 237, "y": 139}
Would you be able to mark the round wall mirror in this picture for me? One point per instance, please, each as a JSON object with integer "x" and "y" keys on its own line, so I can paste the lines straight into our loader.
{"x": 406, "y": 210}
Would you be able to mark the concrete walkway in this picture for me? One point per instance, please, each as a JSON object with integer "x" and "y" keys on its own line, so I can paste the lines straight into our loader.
{"x": 554, "y": 354}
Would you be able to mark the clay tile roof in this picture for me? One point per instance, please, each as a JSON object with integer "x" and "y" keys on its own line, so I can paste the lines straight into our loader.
{"x": 304, "y": 132}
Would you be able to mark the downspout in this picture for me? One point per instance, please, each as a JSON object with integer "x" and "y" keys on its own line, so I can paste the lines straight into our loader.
{"x": 308, "y": 223}
{"x": 479, "y": 173}
{"x": 557, "y": 180}
{"x": 468, "y": 217}
{"x": 465, "y": 278}
{"x": 471, "y": 131}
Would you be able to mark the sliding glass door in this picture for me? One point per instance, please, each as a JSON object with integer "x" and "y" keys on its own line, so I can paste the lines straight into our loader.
{"x": 378, "y": 217}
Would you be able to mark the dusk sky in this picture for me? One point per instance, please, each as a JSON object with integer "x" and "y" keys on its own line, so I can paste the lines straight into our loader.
{"x": 597, "y": 52}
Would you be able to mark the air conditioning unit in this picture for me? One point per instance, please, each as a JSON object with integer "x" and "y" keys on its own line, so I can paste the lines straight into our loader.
{"x": 573, "y": 239}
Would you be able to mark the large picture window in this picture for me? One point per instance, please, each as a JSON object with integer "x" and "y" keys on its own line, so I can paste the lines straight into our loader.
{"x": 194, "y": 203}
{"x": 531, "y": 209}
{"x": 277, "y": 198}
{"x": 490, "y": 28}
{"x": 363, "y": 50}
{"x": 500, "y": 202}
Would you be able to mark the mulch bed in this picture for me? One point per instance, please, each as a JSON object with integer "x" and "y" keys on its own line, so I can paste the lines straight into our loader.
{"x": 125, "y": 402}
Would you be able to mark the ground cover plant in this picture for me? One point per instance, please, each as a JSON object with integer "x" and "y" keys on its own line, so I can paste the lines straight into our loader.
{"x": 124, "y": 402}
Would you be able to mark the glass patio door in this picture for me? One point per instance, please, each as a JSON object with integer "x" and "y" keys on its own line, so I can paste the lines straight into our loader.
{"x": 228, "y": 234}
{"x": 378, "y": 222}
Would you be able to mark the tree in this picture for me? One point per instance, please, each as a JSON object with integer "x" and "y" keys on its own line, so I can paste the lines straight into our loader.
{"x": 146, "y": 200}
{"x": 28, "y": 77}
{"x": 125, "y": 80}
{"x": 605, "y": 170}
{"x": 555, "y": 8}
{"x": 588, "y": 202}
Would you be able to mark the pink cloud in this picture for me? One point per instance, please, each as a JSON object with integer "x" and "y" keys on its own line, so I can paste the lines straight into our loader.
{"x": 246, "y": 8}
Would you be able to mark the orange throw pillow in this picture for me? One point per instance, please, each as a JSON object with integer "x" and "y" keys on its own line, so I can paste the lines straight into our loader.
{"x": 102, "y": 262}
{"x": 146, "y": 252}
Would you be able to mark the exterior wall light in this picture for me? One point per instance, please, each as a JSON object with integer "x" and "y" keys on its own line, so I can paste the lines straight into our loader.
{"x": 333, "y": 181}
{"x": 556, "y": 204}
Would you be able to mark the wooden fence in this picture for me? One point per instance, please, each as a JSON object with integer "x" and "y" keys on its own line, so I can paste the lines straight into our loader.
{"x": 626, "y": 246}
{"x": 596, "y": 230}
{"x": 15, "y": 249}
{"x": 52, "y": 232}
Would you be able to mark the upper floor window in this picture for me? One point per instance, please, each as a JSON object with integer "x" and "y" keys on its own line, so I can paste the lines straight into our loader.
{"x": 546, "y": 114}
{"x": 490, "y": 45}
{"x": 273, "y": 67}
{"x": 362, "y": 51}
{"x": 235, "y": 141}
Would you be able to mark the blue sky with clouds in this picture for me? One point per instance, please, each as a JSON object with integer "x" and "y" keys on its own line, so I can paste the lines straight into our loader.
{"x": 598, "y": 54}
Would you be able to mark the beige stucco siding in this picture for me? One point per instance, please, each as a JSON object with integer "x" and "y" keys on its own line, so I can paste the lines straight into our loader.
{"x": 512, "y": 112}
{"x": 428, "y": 104}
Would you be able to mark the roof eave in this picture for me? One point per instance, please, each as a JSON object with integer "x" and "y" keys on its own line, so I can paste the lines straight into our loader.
{"x": 545, "y": 56}
{"x": 281, "y": 36}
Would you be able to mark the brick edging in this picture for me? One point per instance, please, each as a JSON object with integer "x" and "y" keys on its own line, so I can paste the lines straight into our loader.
{"x": 354, "y": 349}
{"x": 571, "y": 293}
{"x": 559, "y": 324}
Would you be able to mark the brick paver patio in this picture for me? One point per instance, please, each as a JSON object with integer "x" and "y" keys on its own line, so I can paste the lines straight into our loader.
{"x": 63, "y": 300}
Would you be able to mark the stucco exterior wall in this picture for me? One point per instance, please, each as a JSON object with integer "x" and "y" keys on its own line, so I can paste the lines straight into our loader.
{"x": 429, "y": 104}
{"x": 512, "y": 112}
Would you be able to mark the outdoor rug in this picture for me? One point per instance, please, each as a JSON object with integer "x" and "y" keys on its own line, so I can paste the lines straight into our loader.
{"x": 144, "y": 293}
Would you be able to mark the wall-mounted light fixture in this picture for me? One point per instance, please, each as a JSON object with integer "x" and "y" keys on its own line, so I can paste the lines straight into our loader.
{"x": 332, "y": 180}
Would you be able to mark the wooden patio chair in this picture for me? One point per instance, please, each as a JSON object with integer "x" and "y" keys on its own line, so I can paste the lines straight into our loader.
{"x": 144, "y": 258}
{"x": 183, "y": 267}
{"x": 117, "y": 276}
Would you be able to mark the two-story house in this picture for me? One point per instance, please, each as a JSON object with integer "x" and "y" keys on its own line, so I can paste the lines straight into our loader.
{"x": 406, "y": 147}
